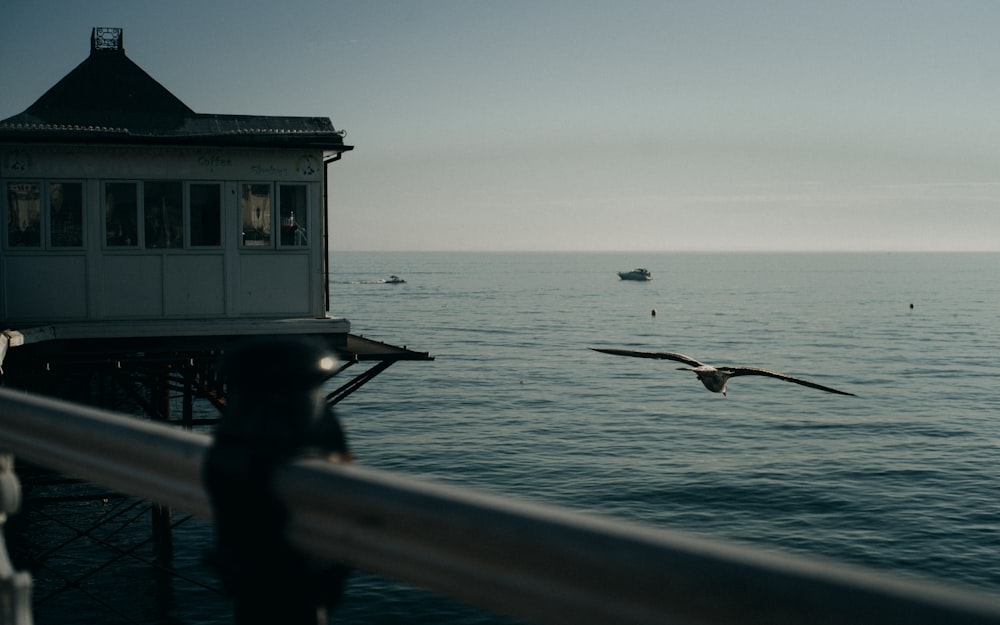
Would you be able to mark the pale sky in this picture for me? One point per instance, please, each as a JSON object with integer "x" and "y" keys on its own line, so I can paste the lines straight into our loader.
{"x": 631, "y": 125}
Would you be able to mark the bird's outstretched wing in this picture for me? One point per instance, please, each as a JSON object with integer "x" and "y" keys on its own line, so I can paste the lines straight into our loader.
{"x": 659, "y": 355}
{"x": 735, "y": 371}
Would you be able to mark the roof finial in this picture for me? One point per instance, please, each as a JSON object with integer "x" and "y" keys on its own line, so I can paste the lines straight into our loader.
{"x": 107, "y": 40}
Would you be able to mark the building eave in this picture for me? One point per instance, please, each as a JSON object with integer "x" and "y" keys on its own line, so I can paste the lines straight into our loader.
{"x": 56, "y": 134}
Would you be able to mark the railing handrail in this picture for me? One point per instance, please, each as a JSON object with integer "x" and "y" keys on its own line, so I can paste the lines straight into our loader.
{"x": 539, "y": 562}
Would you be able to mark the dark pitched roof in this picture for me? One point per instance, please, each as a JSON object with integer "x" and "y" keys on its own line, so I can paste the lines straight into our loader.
{"x": 108, "y": 98}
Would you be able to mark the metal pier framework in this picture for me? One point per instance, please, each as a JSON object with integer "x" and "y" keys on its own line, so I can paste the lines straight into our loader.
{"x": 173, "y": 380}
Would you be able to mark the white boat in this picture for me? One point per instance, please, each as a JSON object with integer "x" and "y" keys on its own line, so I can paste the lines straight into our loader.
{"x": 635, "y": 274}
{"x": 394, "y": 280}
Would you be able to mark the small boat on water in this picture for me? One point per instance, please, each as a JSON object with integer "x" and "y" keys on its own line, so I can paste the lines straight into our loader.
{"x": 636, "y": 274}
{"x": 394, "y": 280}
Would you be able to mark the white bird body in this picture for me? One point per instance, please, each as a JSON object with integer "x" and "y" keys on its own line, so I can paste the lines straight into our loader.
{"x": 715, "y": 379}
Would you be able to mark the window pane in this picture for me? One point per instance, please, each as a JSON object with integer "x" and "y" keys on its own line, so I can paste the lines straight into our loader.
{"x": 66, "y": 214}
{"x": 256, "y": 210}
{"x": 293, "y": 215}
{"x": 24, "y": 215}
{"x": 163, "y": 215}
{"x": 205, "y": 202}
{"x": 121, "y": 213}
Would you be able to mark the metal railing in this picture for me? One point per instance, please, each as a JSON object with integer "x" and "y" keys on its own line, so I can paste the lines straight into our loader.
{"x": 542, "y": 563}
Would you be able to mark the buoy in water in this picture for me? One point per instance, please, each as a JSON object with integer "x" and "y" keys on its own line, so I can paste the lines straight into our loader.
{"x": 654, "y": 312}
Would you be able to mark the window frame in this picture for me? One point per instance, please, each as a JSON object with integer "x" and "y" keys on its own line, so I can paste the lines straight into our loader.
{"x": 142, "y": 215}
{"x": 302, "y": 224}
{"x": 189, "y": 217}
{"x": 9, "y": 214}
{"x": 50, "y": 229}
{"x": 268, "y": 243}
{"x": 106, "y": 245}
{"x": 146, "y": 222}
{"x": 45, "y": 215}
{"x": 90, "y": 215}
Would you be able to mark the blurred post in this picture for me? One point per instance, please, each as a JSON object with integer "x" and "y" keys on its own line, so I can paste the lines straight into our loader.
{"x": 276, "y": 411}
{"x": 15, "y": 587}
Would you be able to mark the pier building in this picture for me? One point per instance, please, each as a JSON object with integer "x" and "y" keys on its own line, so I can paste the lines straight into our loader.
{"x": 137, "y": 230}
{"x": 140, "y": 241}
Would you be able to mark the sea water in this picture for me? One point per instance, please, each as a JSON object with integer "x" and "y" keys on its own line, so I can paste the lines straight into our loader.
{"x": 903, "y": 478}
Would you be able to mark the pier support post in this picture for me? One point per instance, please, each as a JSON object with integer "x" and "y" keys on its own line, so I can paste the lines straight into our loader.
{"x": 187, "y": 405}
{"x": 15, "y": 587}
{"x": 161, "y": 516}
{"x": 275, "y": 412}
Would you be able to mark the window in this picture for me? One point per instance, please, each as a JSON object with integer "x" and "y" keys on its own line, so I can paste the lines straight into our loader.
{"x": 24, "y": 214}
{"x": 258, "y": 219}
{"x": 205, "y": 214}
{"x": 121, "y": 217}
{"x": 163, "y": 217}
{"x": 292, "y": 213}
{"x": 66, "y": 214}
{"x": 152, "y": 214}
{"x": 44, "y": 214}
{"x": 255, "y": 211}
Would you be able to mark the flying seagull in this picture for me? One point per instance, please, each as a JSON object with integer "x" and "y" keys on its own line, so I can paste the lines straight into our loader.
{"x": 716, "y": 378}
